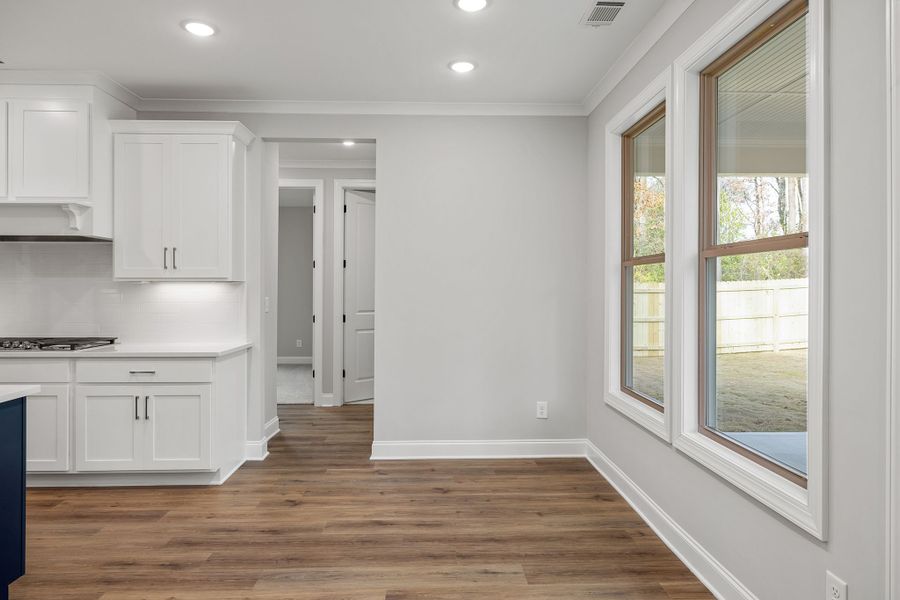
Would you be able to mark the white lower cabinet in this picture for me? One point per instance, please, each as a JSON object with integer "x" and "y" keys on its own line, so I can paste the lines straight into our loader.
{"x": 108, "y": 428}
{"x": 47, "y": 435}
{"x": 142, "y": 428}
{"x": 176, "y": 434}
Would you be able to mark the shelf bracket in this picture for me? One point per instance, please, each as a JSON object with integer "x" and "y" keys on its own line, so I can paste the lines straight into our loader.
{"x": 76, "y": 214}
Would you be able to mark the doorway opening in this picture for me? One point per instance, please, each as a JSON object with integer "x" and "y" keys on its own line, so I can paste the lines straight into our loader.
{"x": 326, "y": 285}
{"x": 299, "y": 340}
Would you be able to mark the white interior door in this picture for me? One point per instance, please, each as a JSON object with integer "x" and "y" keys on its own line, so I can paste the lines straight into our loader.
{"x": 359, "y": 296}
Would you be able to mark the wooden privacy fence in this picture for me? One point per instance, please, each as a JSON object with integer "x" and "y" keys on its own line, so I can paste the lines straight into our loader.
{"x": 753, "y": 316}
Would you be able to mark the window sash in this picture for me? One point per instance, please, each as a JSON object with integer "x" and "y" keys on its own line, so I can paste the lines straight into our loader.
{"x": 626, "y": 301}
{"x": 709, "y": 248}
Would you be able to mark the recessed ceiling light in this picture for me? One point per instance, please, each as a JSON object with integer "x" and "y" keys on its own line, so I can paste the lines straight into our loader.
{"x": 462, "y": 66}
{"x": 349, "y": 143}
{"x": 471, "y": 5}
{"x": 199, "y": 29}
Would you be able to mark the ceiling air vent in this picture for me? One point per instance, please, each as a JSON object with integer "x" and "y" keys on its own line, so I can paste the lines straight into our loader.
{"x": 601, "y": 13}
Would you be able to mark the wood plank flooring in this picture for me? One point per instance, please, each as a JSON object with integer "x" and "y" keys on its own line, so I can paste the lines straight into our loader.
{"x": 318, "y": 520}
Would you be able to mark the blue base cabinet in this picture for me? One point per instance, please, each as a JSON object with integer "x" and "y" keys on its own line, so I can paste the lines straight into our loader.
{"x": 12, "y": 493}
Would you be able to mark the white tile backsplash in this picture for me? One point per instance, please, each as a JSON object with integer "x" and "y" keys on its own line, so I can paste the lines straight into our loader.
{"x": 67, "y": 289}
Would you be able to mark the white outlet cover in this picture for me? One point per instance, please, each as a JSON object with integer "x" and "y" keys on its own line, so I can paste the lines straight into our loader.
{"x": 542, "y": 410}
{"x": 835, "y": 587}
{"x": 299, "y": 343}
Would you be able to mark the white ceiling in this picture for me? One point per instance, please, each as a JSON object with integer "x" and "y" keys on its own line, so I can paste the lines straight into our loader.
{"x": 528, "y": 51}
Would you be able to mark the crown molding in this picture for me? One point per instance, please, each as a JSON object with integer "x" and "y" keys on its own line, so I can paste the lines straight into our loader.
{"x": 54, "y": 77}
{"x": 327, "y": 164}
{"x": 302, "y": 107}
{"x": 658, "y": 25}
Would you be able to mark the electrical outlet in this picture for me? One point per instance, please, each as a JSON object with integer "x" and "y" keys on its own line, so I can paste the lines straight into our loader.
{"x": 542, "y": 410}
{"x": 299, "y": 343}
{"x": 835, "y": 587}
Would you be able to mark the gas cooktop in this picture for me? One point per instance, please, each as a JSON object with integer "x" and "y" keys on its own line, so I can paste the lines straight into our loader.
{"x": 57, "y": 343}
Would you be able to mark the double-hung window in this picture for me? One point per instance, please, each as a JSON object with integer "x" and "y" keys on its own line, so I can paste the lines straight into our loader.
{"x": 754, "y": 261}
{"x": 643, "y": 259}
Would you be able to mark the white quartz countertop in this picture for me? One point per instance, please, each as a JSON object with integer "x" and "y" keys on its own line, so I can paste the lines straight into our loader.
{"x": 12, "y": 392}
{"x": 138, "y": 350}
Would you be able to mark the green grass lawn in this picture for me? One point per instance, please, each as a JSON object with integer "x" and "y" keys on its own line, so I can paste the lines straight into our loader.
{"x": 756, "y": 391}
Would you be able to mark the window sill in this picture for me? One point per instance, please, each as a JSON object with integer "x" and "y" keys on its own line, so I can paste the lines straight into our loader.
{"x": 781, "y": 495}
{"x": 651, "y": 419}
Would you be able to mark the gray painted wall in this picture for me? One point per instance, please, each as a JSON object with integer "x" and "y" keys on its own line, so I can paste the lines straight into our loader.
{"x": 774, "y": 559}
{"x": 295, "y": 281}
{"x": 481, "y": 262}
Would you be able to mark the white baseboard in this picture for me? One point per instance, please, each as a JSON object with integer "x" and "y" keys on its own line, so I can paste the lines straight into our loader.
{"x": 419, "y": 450}
{"x": 256, "y": 450}
{"x": 271, "y": 429}
{"x": 295, "y": 360}
{"x": 65, "y": 480}
{"x": 704, "y": 565}
{"x": 327, "y": 401}
{"x": 259, "y": 449}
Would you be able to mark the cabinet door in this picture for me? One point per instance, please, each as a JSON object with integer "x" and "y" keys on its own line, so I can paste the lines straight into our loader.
{"x": 109, "y": 431}
{"x": 177, "y": 420}
{"x": 49, "y": 149}
{"x": 48, "y": 429}
{"x": 199, "y": 209}
{"x": 141, "y": 188}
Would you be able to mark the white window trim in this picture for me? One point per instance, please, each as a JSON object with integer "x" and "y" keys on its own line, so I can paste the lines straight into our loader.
{"x": 658, "y": 422}
{"x": 804, "y": 507}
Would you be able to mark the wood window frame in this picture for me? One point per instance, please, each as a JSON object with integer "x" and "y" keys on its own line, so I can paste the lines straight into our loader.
{"x": 709, "y": 248}
{"x": 626, "y": 320}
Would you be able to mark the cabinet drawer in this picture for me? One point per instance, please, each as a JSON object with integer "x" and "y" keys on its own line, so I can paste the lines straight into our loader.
{"x": 29, "y": 370}
{"x": 143, "y": 371}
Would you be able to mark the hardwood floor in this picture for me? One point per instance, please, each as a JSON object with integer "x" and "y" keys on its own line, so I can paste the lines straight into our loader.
{"x": 318, "y": 520}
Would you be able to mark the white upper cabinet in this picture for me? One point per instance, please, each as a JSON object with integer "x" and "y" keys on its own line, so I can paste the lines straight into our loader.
{"x": 49, "y": 150}
{"x": 56, "y": 159}
{"x": 142, "y": 176}
{"x": 179, "y": 199}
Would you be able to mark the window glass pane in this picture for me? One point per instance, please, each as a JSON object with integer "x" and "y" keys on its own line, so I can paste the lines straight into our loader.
{"x": 761, "y": 141}
{"x": 645, "y": 350}
{"x": 649, "y": 160}
{"x": 758, "y": 323}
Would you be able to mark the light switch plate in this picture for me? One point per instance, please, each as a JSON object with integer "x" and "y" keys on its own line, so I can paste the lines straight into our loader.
{"x": 542, "y": 410}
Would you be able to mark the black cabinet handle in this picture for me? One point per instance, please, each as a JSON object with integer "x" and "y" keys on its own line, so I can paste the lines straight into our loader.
{"x": 137, "y": 417}
{"x": 165, "y": 258}
{"x": 174, "y": 264}
{"x": 146, "y": 409}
